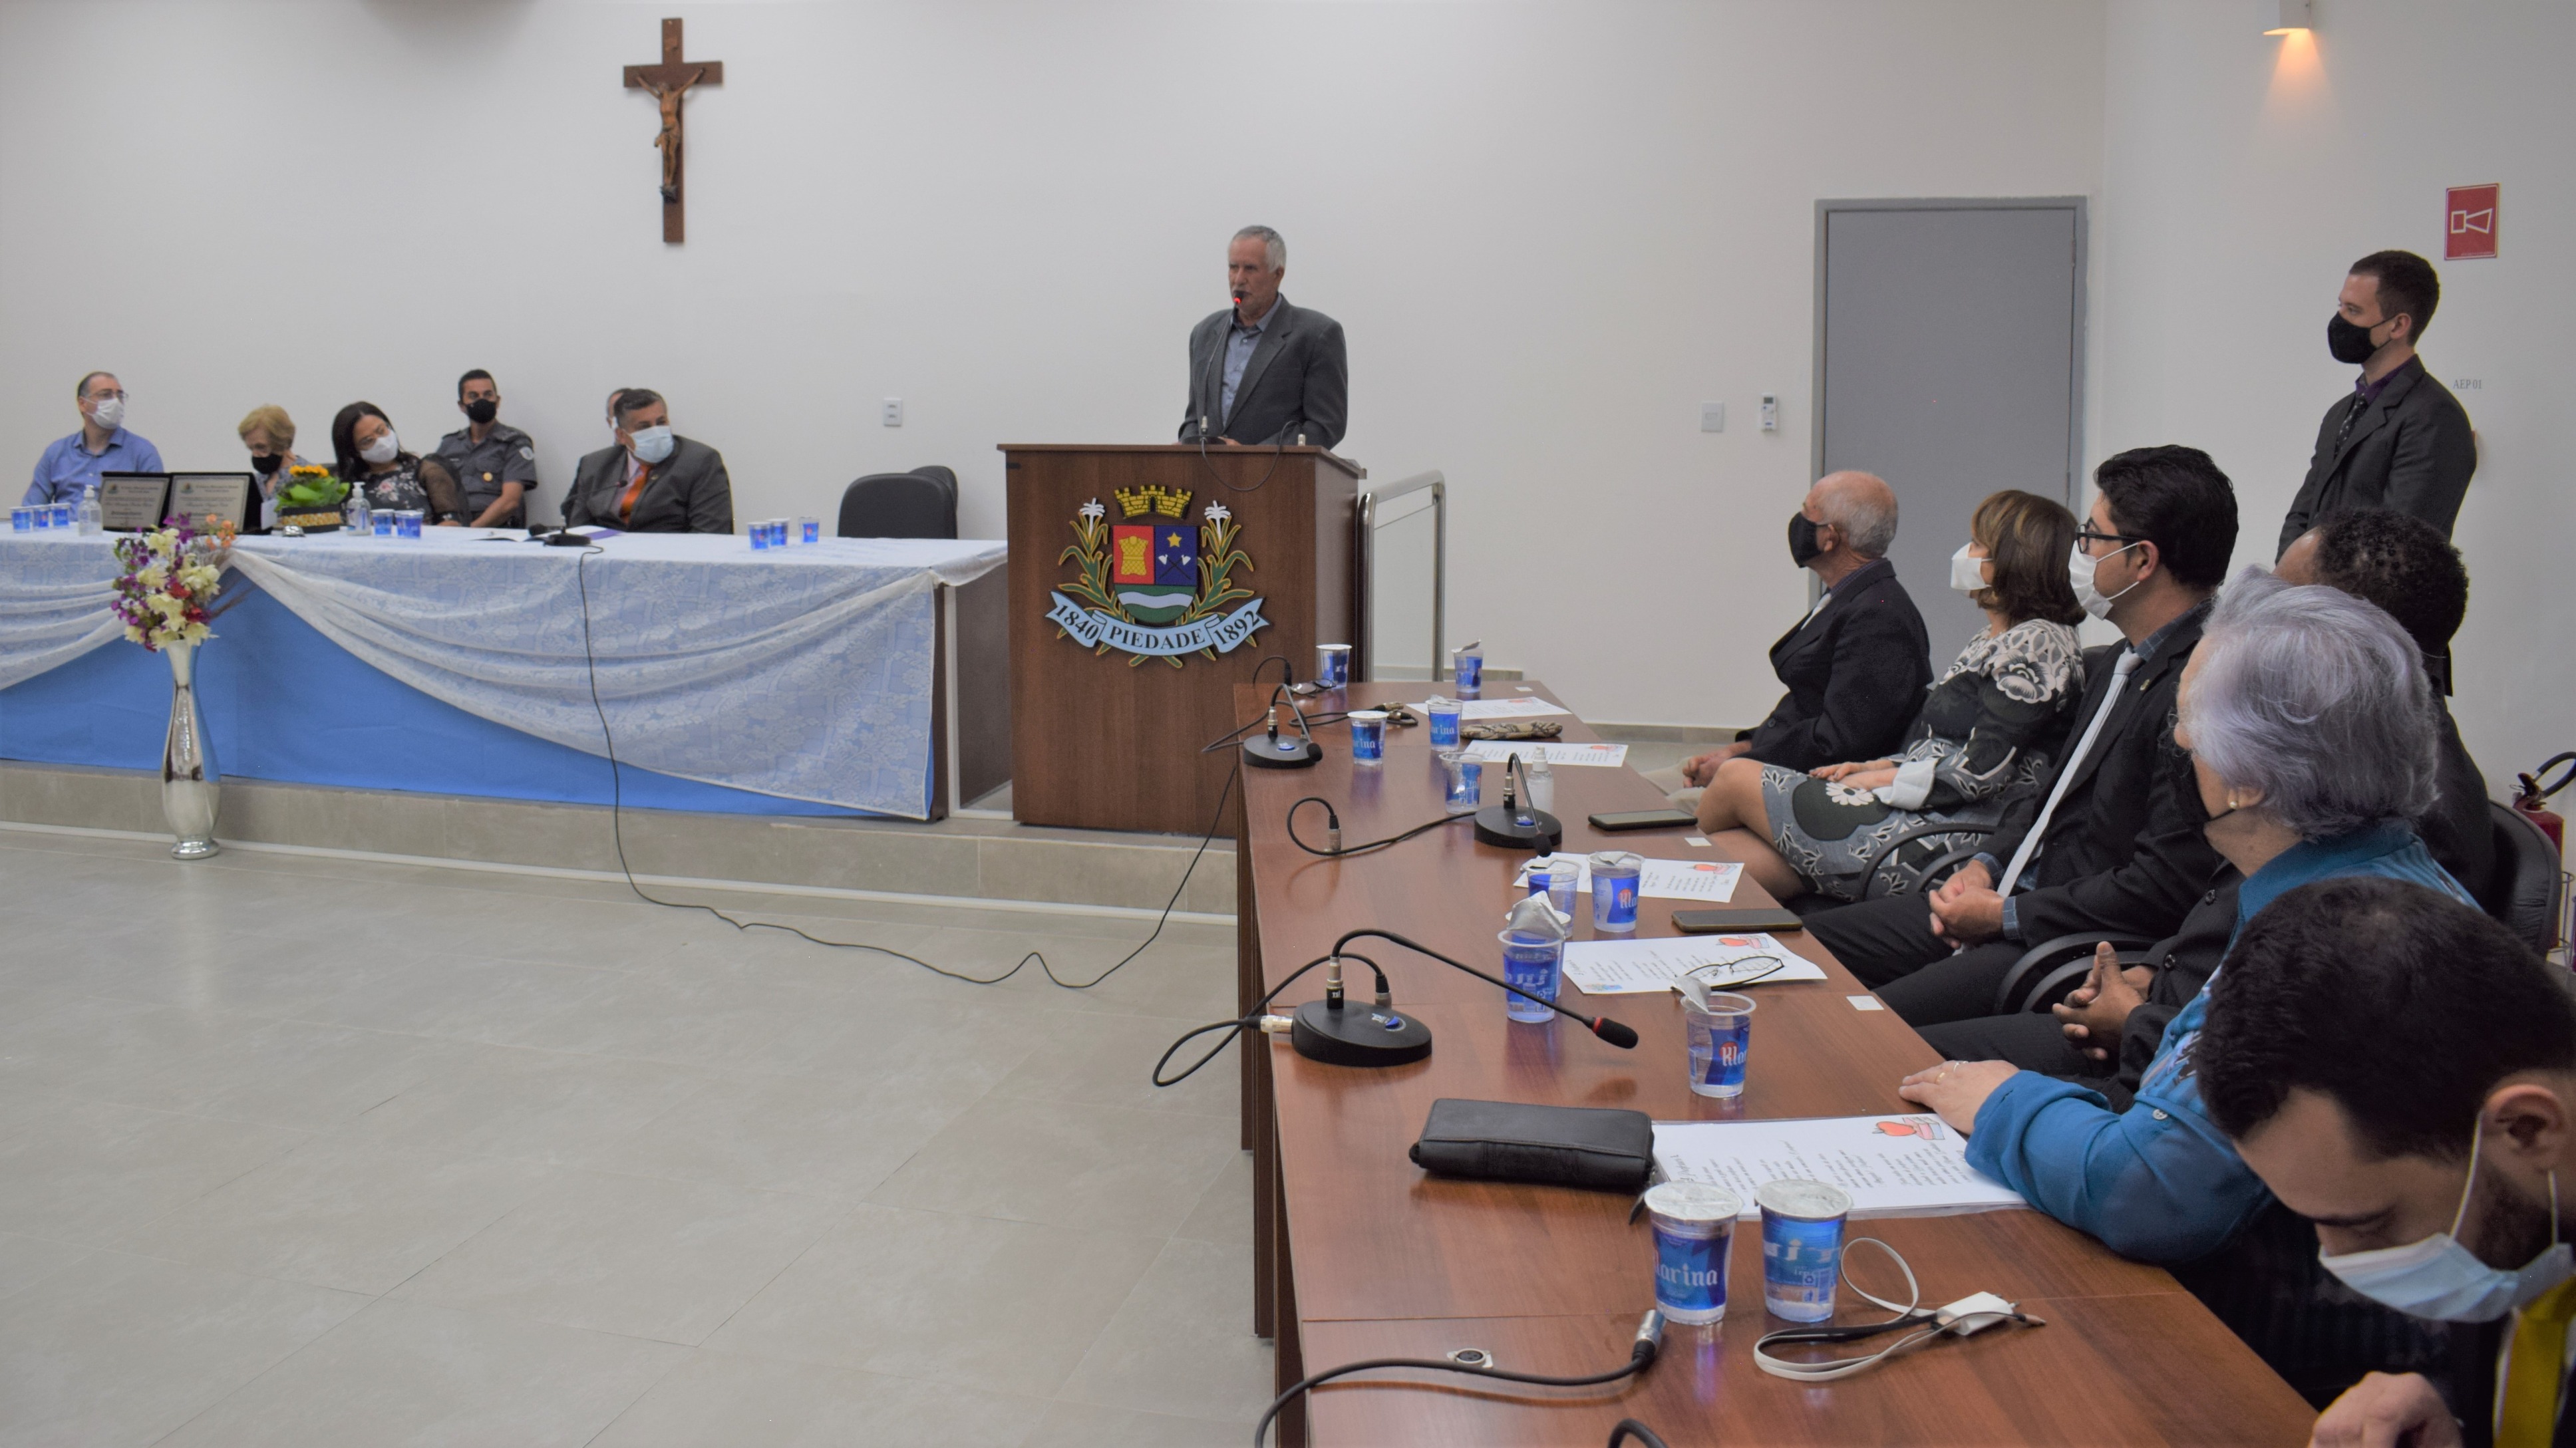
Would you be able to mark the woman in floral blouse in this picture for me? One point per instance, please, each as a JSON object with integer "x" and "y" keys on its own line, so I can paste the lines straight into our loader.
{"x": 1987, "y": 726}
{"x": 370, "y": 458}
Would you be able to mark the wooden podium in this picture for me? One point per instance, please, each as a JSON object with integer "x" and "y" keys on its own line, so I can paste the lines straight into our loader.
{"x": 1108, "y": 737}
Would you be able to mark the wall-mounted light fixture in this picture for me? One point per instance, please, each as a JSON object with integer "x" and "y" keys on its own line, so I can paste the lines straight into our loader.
{"x": 2280, "y": 17}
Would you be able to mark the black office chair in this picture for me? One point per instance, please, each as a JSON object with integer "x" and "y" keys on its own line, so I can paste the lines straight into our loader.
{"x": 1927, "y": 876}
{"x": 2050, "y": 969}
{"x": 2527, "y": 868}
{"x": 900, "y": 505}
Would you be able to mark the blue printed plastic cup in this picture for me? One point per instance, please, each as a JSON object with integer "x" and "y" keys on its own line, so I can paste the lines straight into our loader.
{"x": 62, "y": 514}
{"x": 1614, "y": 891}
{"x": 382, "y": 523}
{"x": 1716, "y": 1034}
{"x": 1802, "y": 1247}
{"x": 809, "y": 530}
{"x": 1465, "y": 788}
{"x": 1470, "y": 669}
{"x": 777, "y": 532}
{"x": 1444, "y": 722}
{"x": 758, "y": 529}
{"x": 1533, "y": 964}
{"x": 407, "y": 523}
{"x": 20, "y": 520}
{"x": 1333, "y": 665}
{"x": 1368, "y": 735}
{"x": 1694, "y": 1228}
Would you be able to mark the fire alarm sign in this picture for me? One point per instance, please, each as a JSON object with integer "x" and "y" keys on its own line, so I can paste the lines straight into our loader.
{"x": 2469, "y": 222}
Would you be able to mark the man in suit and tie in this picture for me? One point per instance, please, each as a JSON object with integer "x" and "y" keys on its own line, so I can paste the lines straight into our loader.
{"x": 1856, "y": 666}
{"x": 2110, "y": 841}
{"x": 653, "y": 480}
{"x": 1262, "y": 370}
{"x": 2400, "y": 441}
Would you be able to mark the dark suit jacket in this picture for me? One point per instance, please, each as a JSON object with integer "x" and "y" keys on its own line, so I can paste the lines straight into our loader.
{"x": 2124, "y": 851}
{"x": 2410, "y": 451}
{"x": 1856, "y": 675}
{"x": 689, "y": 492}
{"x": 1298, "y": 381}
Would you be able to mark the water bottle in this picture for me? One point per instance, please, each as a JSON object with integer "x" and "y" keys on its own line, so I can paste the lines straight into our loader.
{"x": 1541, "y": 780}
{"x": 89, "y": 515}
{"x": 359, "y": 519}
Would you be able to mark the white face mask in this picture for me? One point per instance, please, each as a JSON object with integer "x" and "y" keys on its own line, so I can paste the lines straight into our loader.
{"x": 1967, "y": 572}
{"x": 653, "y": 444}
{"x": 383, "y": 450}
{"x": 2440, "y": 1279}
{"x": 2079, "y": 572}
{"x": 108, "y": 413}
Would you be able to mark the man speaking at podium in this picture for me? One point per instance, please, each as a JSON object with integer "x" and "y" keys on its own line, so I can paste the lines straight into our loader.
{"x": 1263, "y": 371}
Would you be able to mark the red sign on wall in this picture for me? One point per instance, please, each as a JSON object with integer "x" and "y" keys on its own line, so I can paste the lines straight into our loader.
{"x": 2469, "y": 222}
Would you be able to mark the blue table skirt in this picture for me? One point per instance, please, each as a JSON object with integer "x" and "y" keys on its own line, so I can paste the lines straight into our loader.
{"x": 284, "y": 703}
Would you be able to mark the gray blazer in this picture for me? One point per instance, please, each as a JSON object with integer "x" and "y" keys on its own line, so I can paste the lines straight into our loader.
{"x": 1298, "y": 381}
{"x": 2410, "y": 452}
{"x": 688, "y": 492}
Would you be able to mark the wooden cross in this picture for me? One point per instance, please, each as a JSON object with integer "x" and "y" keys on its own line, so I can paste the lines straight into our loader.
{"x": 668, "y": 82}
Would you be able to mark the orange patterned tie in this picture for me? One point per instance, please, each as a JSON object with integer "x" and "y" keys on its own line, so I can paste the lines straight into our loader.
{"x": 634, "y": 490}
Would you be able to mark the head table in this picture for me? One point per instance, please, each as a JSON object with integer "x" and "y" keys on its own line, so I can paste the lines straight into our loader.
{"x": 787, "y": 681}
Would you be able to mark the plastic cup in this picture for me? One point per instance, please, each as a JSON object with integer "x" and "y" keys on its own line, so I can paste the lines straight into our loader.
{"x": 809, "y": 530}
{"x": 1614, "y": 891}
{"x": 1802, "y": 1247}
{"x": 407, "y": 522}
{"x": 1535, "y": 964}
{"x": 1560, "y": 876}
{"x": 777, "y": 532}
{"x": 758, "y": 529}
{"x": 20, "y": 521}
{"x": 1333, "y": 665}
{"x": 1368, "y": 735}
{"x": 1470, "y": 671}
{"x": 61, "y": 514}
{"x": 1444, "y": 723}
{"x": 1466, "y": 780}
{"x": 1717, "y": 1031}
{"x": 382, "y": 524}
{"x": 1694, "y": 1228}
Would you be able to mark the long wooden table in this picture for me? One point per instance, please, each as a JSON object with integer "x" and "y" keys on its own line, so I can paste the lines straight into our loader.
{"x": 1362, "y": 1254}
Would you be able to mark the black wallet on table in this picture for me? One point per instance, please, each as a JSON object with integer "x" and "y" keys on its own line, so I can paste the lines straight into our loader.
{"x": 1567, "y": 1146}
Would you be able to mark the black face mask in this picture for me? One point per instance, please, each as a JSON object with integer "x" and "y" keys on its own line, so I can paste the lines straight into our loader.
{"x": 482, "y": 410}
{"x": 2349, "y": 341}
{"x": 265, "y": 462}
{"x": 1802, "y": 539}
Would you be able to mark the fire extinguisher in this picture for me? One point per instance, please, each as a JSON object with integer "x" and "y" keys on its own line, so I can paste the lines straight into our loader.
{"x": 2531, "y": 795}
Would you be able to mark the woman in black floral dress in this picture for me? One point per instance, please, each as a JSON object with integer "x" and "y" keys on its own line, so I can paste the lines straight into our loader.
{"x": 369, "y": 457}
{"x": 1988, "y": 726}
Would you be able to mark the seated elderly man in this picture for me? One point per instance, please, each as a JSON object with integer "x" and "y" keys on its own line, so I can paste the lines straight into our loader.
{"x": 653, "y": 480}
{"x": 2401, "y": 1073}
{"x": 1856, "y": 666}
{"x": 2310, "y": 729}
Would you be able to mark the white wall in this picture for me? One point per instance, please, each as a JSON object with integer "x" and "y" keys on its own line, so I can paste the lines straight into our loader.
{"x": 2243, "y": 173}
{"x": 1551, "y": 229}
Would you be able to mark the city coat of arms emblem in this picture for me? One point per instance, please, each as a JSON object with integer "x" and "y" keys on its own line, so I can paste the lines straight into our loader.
{"x": 1154, "y": 584}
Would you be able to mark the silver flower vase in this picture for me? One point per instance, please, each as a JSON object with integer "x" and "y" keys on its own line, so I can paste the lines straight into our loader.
{"x": 191, "y": 786}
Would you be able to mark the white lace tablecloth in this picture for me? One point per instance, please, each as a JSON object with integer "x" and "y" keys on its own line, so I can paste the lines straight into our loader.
{"x": 803, "y": 673}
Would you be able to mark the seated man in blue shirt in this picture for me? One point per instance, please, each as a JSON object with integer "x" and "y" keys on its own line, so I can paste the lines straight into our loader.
{"x": 2311, "y": 729}
{"x": 102, "y": 445}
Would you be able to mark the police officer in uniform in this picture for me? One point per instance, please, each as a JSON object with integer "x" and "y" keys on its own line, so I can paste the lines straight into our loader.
{"x": 495, "y": 463}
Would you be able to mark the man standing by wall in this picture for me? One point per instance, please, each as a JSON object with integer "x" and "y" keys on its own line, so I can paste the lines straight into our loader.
{"x": 2401, "y": 441}
{"x": 69, "y": 465}
{"x": 495, "y": 463}
{"x": 1263, "y": 371}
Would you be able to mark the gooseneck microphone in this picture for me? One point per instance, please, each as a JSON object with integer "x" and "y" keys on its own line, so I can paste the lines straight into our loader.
{"x": 1616, "y": 1033}
{"x": 1272, "y": 751}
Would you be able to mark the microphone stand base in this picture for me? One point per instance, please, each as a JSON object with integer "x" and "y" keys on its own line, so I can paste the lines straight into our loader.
{"x": 1358, "y": 1036}
{"x": 1522, "y": 829}
{"x": 1284, "y": 752}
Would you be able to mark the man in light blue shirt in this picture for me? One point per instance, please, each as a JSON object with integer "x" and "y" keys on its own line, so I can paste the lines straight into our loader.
{"x": 102, "y": 445}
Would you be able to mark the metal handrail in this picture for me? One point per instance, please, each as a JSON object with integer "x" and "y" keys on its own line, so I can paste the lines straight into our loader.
{"x": 1364, "y": 559}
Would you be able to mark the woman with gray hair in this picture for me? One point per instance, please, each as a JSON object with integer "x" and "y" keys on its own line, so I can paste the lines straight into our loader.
{"x": 2311, "y": 732}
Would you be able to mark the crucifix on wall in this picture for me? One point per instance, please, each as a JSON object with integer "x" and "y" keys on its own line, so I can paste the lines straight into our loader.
{"x": 668, "y": 82}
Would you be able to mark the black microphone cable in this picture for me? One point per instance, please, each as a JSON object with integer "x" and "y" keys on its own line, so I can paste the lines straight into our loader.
{"x": 1333, "y": 847}
{"x": 1628, "y": 1428}
{"x": 1616, "y": 1033}
{"x": 1247, "y": 1021}
{"x": 617, "y": 830}
{"x": 1641, "y": 1356}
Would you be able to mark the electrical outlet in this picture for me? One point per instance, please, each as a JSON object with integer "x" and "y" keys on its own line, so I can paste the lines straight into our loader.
{"x": 1770, "y": 412}
{"x": 1712, "y": 417}
{"x": 893, "y": 412}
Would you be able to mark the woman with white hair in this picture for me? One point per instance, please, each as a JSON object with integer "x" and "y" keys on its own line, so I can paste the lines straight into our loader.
{"x": 2311, "y": 731}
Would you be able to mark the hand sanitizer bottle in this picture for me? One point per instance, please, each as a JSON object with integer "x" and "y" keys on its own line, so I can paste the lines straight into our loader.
{"x": 358, "y": 521}
{"x": 89, "y": 514}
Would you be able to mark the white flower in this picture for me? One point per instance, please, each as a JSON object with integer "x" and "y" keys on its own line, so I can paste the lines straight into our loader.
{"x": 1217, "y": 513}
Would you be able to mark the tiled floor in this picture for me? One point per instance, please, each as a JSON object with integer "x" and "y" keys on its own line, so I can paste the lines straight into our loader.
{"x": 295, "y": 1151}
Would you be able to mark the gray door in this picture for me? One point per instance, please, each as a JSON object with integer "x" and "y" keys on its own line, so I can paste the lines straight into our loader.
{"x": 1949, "y": 349}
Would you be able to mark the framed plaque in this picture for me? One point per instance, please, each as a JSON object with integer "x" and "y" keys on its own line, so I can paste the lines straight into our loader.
{"x": 132, "y": 502}
{"x": 202, "y": 498}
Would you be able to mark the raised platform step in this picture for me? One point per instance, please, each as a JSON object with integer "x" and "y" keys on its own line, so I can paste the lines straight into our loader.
{"x": 961, "y": 860}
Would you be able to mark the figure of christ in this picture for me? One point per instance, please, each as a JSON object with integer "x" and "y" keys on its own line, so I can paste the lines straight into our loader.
{"x": 668, "y": 139}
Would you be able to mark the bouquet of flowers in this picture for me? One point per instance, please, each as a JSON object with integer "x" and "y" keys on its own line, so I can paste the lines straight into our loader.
{"x": 170, "y": 576}
{"x": 310, "y": 497}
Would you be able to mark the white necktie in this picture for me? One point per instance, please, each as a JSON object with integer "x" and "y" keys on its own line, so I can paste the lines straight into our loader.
{"x": 2120, "y": 672}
